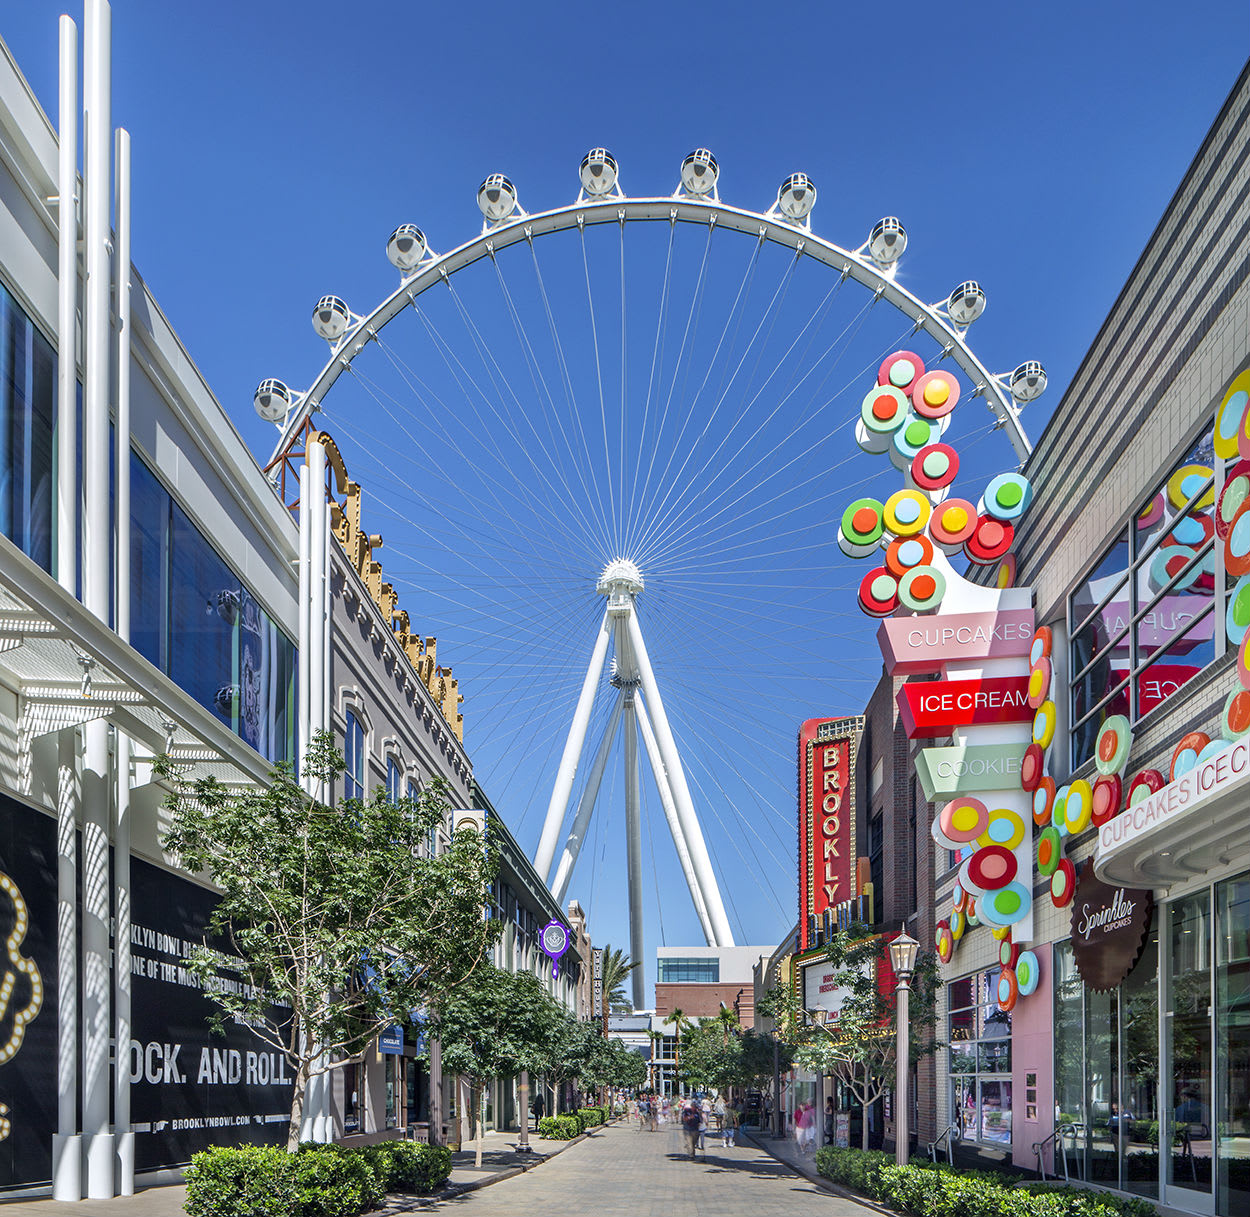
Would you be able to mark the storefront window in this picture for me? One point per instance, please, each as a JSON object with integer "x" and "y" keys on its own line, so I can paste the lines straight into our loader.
{"x": 980, "y": 1060}
{"x": 1141, "y": 624}
{"x": 392, "y": 1090}
{"x": 1232, "y": 947}
{"x": 354, "y": 756}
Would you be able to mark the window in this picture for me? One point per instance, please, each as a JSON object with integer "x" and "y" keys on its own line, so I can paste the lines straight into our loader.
{"x": 354, "y": 755}
{"x": 1141, "y": 624}
{"x": 393, "y": 780}
{"x": 980, "y": 1060}
{"x": 689, "y": 971}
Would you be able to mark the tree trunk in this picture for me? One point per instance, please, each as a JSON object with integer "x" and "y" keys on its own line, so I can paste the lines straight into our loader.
{"x": 297, "y": 1107}
{"x": 481, "y": 1124}
{"x": 863, "y": 1130}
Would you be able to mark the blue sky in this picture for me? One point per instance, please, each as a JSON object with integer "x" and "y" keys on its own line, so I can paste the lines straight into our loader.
{"x": 275, "y": 147}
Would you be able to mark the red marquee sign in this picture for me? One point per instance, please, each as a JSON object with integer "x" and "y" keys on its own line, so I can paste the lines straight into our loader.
{"x": 933, "y": 707}
{"x": 827, "y": 748}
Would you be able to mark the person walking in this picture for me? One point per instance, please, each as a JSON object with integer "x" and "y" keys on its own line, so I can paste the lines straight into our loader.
{"x": 705, "y": 1117}
{"x": 540, "y": 1108}
{"x": 803, "y": 1119}
{"x": 829, "y": 1121}
{"x": 768, "y": 1111}
{"x": 691, "y": 1121}
{"x": 729, "y": 1126}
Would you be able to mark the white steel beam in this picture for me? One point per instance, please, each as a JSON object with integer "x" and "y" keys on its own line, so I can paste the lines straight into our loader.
{"x": 572, "y": 752}
{"x": 67, "y": 484}
{"x": 581, "y": 821}
{"x": 633, "y": 852}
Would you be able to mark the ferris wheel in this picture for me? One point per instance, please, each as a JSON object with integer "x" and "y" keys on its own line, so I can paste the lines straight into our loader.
{"x": 616, "y": 438}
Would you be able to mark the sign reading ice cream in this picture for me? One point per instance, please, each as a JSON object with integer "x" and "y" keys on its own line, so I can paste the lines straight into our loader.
{"x": 934, "y": 707}
{"x": 924, "y": 644}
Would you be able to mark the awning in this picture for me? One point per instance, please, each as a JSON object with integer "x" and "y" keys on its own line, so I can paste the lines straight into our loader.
{"x": 1194, "y": 824}
{"x": 70, "y": 668}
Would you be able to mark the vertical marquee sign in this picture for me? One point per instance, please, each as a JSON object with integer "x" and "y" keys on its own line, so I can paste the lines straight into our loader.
{"x": 827, "y": 752}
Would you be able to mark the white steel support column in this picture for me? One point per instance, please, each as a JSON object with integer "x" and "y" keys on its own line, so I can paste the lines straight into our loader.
{"x": 633, "y": 851}
{"x": 67, "y": 485}
{"x": 303, "y": 731}
{"x": 314, "y": 504}
{"x": 581, "y": 821}
{"x": 670, "y": 814}
{"x": 97, "y": 530}
{"x": 67, "y": 1144}
{"x": 702, "y": 863}
{"x": 572, "y": 752}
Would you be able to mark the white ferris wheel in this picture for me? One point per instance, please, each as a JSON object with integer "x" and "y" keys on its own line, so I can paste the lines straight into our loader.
{"x": 627, "y": 425}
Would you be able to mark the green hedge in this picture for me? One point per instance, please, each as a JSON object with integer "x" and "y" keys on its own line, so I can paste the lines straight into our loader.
{"x": 590, "y": 1116}
{"x": 926, "y": 1190}
{"x": 318, "y": 1181}
{"x": 559, "y": 1128}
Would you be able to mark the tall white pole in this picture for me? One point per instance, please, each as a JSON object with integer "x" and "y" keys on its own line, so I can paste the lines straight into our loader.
{"x": 902, "y": 1076}
{"x": 572, "y": 752}
{"x": 303, "y": 723}
{"x": 67, "y": 485}
{"x": 122, "y": 417}
{"x": 681, "y": 791}
{"x": 633, "y": 852}
{"x": 670, "y": 814}
{"x": 67, "y": 1144}
{"x": 97, "y": 534}
{"x": 314, "y": 504}
{"x": 581, "y": 821}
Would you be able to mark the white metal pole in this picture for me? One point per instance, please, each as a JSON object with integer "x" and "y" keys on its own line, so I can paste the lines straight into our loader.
{"x": 314, "y": 504}
{"x": 572, "y": 753}
{"x": 67, "y": 1144}
{"x": 327, "y": 633}
{"x": 67, "y": 485}
{"x": 121, "y": 473}
{"x": 902, "y": 1134}
{"x": 633, "y": 852}
{"x": 681, "y": 792}
{"x": 670, "y": 814}
{"x": 303, "y": 723}
{"x": 581, "y": 821}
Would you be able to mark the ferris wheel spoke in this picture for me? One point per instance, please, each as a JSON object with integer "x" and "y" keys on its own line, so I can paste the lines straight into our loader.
{"x": 603, "y": 411}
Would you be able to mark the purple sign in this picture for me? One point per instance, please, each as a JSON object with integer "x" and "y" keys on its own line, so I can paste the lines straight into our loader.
{"x": 555, "y": 941}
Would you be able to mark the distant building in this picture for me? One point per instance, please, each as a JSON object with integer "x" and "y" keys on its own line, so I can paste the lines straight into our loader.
{"x": 699, "y": 980}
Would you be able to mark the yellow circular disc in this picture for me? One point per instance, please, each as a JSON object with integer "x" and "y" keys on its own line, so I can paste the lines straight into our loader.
{"x": 1079, "y": 807}
{"x": 1006, "y": 828}
{"x": 1228, "y": 418}
{"x": 1044, "y": 724}
{"x": 1185, "y": 483}
{"x": 936, "y": 392}
{"x": 1001, "y": 932}
{"x": 958, "y": 923}
{"x": 907, "y": 512}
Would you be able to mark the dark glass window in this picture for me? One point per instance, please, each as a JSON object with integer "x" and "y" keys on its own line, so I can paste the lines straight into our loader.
{"x": 149, "y": 564}
{"x": 689, "y": 971}
{"x": 393, "y": 782}
{"x": 980, "y": 1060}
{"x": 354, "y": 755}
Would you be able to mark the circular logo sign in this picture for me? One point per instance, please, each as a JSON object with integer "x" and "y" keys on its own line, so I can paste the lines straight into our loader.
{"x": 555, "y": 939}
{"x": 1109, "y": 927}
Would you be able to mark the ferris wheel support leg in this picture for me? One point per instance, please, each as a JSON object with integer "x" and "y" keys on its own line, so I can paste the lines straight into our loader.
{"x": 670, "y": 814}
{"x": 572, "y": 752}
{"x": 633, "y": 844}
{"x": 681, "y": 791}
{"x": 581, "y": 821}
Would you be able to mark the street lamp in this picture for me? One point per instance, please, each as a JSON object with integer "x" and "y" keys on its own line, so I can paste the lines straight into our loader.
{"x": 903, "y": 960}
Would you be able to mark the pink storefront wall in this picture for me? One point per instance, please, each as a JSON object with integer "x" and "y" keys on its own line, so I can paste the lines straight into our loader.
{"x": 1032, "y": 1052}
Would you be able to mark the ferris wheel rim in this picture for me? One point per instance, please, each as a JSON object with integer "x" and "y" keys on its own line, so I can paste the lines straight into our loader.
{"x": 524, "y": 227}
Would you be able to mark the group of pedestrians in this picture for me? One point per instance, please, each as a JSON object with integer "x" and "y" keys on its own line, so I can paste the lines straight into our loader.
{"x": 696, "y": 1116}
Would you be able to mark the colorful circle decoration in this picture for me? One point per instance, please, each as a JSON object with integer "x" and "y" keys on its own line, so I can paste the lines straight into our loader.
{"x": 935, "y": 467}
{"x": 921, "y": 589}
{"x": 991, "y": 539}
{"x": 906, "y": 552}
{"x": 1005, "y": 828}
{"x": 1049, "y": 851}
{"x": 1243, "y": 661}
{"x": 1237, "y": 543}
{"x": 959, "y": 898}
{"x": 1214, "y": 748}
{"x": 952, "y": 523}
{"x": 1078, "y": 807}
{"x": 935, "y": 394}
{"x": 1171, "y": 561}
{"x": 935, "y": 830}
{"x": 911, "y": 438}
{"x": 1008, "y": 496}
{"x": 1151, "y": 514}
{"x": 1228, "y": 418}
{"x": 1108, "y": 794}
{"x": 999, "y": 932}
{"x": 1044, "y": 801}
{"x": 965, "y": 881}
{"x": 964, "y": 820}
{"x": 958, "y": 922}
{"x": 1188, "y": 481}
{"x": 1237, "y": 713}
{"x": 884, "y": 410}
{"x": 1008, "y": 953}
{"x": 1059, "y": 811}
{"x": 1005, "y": 576}
{"x": 1237, "y": 617}
{"x": 1042, "y": 644}
{"x": 906, "y": 513}
{"x": 1115, "y": 739}
{"x": 1063, "y": 884}
{"x": 1044, "y": 724}
{"x": 902, "y": 370}
{"x": 1005, "y": 906}
{"x": 878, "y": 593}
{"x": 1039, "y": 683}
{"x": 973, "y": 919}
{"x": 1234, "y": 493}
{"x": 1028, "y": 973}
{"x": 1143, "y": 784}
{"x": 1185, "y": 754}
{"x": 1008, "y": 990}
{"x": 943, "y": 941}
{"x": 861, "y": 528}
{"x": 992, "y": 867}
{"x": 1032, "y": 767}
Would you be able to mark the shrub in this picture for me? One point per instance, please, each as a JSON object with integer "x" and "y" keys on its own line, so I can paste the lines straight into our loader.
{"x": 334, "y": 1182}
{"x": 590, "y": 1116}
{"x": 559, "y": 1128}
{"x": 250, "y": 1181}
{"x": 416, "y": 1168}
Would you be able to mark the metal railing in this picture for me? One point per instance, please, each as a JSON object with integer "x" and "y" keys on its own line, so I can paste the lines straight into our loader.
{"x": 1059, "y": 1139}
{"x": 948, "y": 1134}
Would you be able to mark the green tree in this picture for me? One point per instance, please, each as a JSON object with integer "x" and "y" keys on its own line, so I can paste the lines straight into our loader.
{"x": 331, "y": 926}
{"x": 681, "y": 1024}
{"x": 494, "y": 1026}
{"x": 711, "y": 1057}
{"x": 567, "y": 1050}
{"x": 616, "y": 969}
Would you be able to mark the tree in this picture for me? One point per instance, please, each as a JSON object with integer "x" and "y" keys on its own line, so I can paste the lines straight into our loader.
{"x": 567, "y": 1049}
{"x": 331, "y": 925}
{"x": 680, "y": 1024}
{"x": 611, "y": 1064}
{"x": 493, "y": 1027}
{"x": 859, "y": 1046}
{"x": 711, "y": 1056}
{"x": 616, "y": 969}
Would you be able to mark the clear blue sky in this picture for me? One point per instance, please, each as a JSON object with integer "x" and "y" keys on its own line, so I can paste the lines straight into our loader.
{"x": 276, "y": 146}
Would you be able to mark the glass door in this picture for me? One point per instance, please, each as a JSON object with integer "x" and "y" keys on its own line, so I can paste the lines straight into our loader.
{"x": 1186, "y": 1134}
{"x": 1232, "y": 1041}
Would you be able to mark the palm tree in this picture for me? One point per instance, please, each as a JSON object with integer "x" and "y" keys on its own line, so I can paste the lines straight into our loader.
{"x": 728, "y": 1021}
{"x": 616, "y": 969}
{"x": 680, "y": 1023}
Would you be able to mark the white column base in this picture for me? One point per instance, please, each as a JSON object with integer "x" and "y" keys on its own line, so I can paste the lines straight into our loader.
{"x": 325, "y": 1129}
{"x": 97, "y": 1155}
{"x": 66, "y": 1167}
{"x": 124, "y": 1159}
